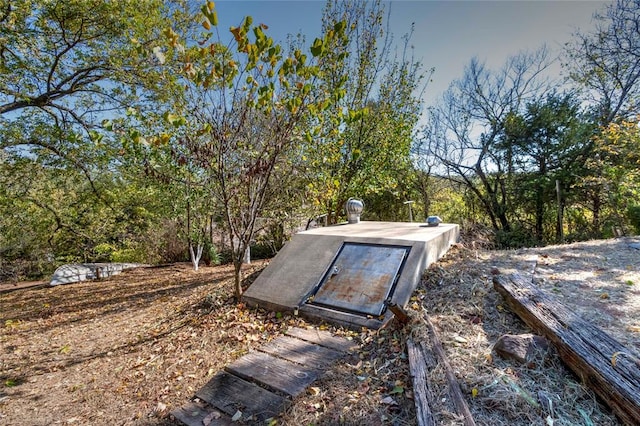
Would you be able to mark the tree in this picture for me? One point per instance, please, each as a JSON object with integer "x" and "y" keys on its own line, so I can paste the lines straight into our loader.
{"x": 51, "y": 215}
{"x": 245, "y": 103}
{"x": 367, "y": 136}
{"x": 547, "y": 145}
{"x": 464, "y": 129}
{"x": 65, "y": 66}
{"x": 607, "y": 61}
{"x": 614, "y": 166}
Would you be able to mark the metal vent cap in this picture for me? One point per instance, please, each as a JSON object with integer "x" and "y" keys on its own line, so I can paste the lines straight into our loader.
{"x": 353, "y": 207}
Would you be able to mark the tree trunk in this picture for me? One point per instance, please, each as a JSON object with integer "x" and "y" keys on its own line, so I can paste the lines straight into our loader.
{"x": 195, "y": 256}
{"x": 597, "y": 204}
{"x": 491, "y": 203}
{"x": 424, "y": 183}
{"x": 426, "y": 200}
{"x": 539, "y": 214}
{"x": 501, "y": 204}
{"x": 504, "y": 222}
{"x": 559, "y": 221}
{"x": 237, "y": 266}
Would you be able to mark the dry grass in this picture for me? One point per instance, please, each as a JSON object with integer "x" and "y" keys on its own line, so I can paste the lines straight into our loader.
{"x": 470, "y": 316}
{"x": 128, "y": 350}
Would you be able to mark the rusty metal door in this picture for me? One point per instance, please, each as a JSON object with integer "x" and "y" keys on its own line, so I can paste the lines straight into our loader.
{"x": 361, "y": 278}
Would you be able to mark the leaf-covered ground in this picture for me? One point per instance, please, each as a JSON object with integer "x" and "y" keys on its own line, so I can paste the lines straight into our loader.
{"x": 128, "y": 350}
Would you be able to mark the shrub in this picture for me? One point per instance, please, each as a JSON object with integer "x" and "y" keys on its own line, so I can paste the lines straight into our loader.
{"x": 633, "y": 216}
{"x": 515, "y": 238}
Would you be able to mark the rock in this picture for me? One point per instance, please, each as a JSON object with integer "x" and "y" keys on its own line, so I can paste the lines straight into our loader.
{"x": 73, "y": 273}
{"x": 526, "y": 349}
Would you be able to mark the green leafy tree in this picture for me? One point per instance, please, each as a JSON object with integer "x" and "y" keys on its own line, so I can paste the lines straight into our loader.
{"x": 605, "y": 62}
{"x": 51, "y": 215}
{"x": 365, "y": 143}
{"x": 247, "y": 98}
{"x": 157, "y": 147}
{"x": 615, "y": 165}
{"x": 548, "y": 143}
{"x": 65, "y": 66}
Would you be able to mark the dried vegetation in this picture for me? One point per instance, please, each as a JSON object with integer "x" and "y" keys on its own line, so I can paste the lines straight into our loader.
{"x": 128, "y": 350}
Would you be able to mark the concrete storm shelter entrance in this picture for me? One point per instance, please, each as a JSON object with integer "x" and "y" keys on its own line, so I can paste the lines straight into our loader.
{"x": 343, "y": 274}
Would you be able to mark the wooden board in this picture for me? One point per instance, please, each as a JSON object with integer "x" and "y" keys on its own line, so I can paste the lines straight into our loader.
{"x": 231, "y": 394}
{"x": 275, "y": 373}
{"x": 319, "y": 314}
{"x": 586, "y": 349}
{"x": 418, "y": 366}
{"x": 322, "y": 338}
{"x": 301, "y": 352}
{"x": 454, "y": 387}
{"x": 306, "y": 354}
{"x": 200, "y": 414}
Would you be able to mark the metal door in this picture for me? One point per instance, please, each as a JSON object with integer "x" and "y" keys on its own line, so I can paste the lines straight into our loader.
{"x": 361, "y": 278}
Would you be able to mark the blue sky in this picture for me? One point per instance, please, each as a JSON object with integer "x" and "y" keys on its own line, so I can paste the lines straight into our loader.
{"x": 447, "y": 33}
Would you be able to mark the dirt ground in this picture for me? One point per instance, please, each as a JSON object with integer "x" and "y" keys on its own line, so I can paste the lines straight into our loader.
{"x": 128, "y": 350}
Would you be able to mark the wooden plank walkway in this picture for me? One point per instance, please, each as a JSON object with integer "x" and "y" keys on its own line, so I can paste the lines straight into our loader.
{"x": 301, "y": 352}
{"x": 322, "y": 338}
{"x": 261, "y": 384}
{"x": 275, "y": 373}
{"x": 229, "y": 394}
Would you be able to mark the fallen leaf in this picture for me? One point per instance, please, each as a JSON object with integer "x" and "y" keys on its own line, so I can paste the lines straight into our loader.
{"x": 397, "y": 389}
{"x": 460, "y": 339}
{"x": 388, "y": 401}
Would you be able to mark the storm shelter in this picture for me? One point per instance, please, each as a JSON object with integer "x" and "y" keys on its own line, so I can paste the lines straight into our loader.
{"x": 343, "y": 274}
